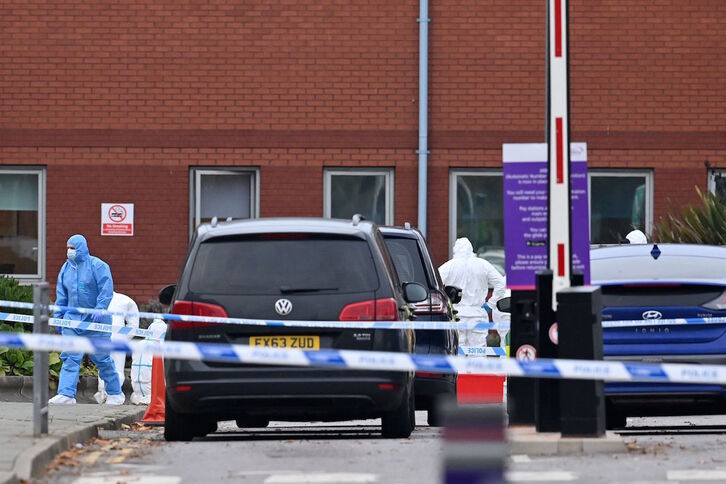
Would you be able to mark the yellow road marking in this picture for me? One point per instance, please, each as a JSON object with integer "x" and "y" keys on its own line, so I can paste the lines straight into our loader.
{"x": 121, "y": 457}
{"x": 92, "y": 457}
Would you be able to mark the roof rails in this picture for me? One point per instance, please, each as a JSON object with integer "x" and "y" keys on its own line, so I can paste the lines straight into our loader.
{"x": 357, "y": 218}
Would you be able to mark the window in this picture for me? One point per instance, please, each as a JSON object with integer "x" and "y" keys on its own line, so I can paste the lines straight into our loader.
{"x": 620, "y": 201}
{"x": 367, "y": 192}
{"x": 223, "y": 194}
{"x": 22, "y": 223}
{"x": 477, "y": 212}
{"x": 717, "y": 184}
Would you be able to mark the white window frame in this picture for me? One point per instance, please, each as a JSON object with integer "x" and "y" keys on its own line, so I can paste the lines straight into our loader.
{"x": 647, "y": 174}
{"x": 388, "y": 173}
{"x": 40, "y": 171}
{"x": 195, "y": 191}
{"x": 453, "y": 174}
{"x": 712, "y": 178}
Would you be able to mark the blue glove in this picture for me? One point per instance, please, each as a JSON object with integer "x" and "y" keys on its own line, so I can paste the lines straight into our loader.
{"x": 97, "y": 318}
{"x": 487, "y": 308}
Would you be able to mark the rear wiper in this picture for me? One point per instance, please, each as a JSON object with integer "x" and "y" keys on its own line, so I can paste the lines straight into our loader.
{"x": 290, "y": 290}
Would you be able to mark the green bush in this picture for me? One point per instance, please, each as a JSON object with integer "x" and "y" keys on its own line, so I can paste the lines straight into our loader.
{"x": 702, "y": 223}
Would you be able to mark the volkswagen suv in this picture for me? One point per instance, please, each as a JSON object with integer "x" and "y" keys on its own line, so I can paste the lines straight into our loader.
{"x": 294, "y": 269}
{"x": 413, "y": 263}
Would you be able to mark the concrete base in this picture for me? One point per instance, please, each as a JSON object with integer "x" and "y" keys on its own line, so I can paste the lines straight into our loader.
{"x": 525, "y": 440}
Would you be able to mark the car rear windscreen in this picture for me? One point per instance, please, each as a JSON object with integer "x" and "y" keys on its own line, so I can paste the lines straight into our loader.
{"x": 407, "y": 259}
{"x": 659, "y": 295}
{"x": 283, "y": 264}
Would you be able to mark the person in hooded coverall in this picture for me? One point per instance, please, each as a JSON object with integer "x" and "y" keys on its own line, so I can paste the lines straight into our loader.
{"x": 120, "y": 303}
{"x": 636, "y": 237}
{"x": 475, "y": 276}
{"x": 84, "y": 281}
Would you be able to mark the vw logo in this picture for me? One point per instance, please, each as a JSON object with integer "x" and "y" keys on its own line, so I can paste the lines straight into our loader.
{"x": 652, "y": 314}
{"x": 283, "y": 307}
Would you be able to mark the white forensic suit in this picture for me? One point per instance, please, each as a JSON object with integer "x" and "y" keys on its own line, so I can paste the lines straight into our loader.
{"x": 122, "y": 304}
{"x": 142, "y": 363}
{"x": 474, "y": 276}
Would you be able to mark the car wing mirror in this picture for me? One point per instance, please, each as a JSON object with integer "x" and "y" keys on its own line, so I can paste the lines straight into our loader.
{"x": 505, "y": 305}
{"x": 414, "y": 292}
{"x": 166, "y": 294}
{"x": 454, "y": 294}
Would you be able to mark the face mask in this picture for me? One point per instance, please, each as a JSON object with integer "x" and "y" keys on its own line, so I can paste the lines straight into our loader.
{"x": 71, "y": 254}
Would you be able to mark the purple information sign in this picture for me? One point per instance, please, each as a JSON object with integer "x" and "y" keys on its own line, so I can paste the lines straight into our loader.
{"x": 525, "y": 212}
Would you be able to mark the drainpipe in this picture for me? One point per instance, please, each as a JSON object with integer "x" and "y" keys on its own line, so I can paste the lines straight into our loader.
{"x": 423, "y": 106}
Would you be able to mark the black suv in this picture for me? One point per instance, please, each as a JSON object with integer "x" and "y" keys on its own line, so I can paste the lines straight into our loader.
{"x": 297, "y": 269}
{"x": 413, "y": 263}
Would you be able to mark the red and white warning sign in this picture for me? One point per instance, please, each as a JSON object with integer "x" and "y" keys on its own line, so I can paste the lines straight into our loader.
{"x": 554, "y": 336}
{"x": 526, "y": 353}
{"x": 117, "y": 219}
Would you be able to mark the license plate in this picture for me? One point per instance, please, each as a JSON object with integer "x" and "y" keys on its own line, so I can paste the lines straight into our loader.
{"x": 297, "y": 342}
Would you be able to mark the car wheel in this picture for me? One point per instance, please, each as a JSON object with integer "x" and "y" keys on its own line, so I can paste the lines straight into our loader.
{"x": 252, "y": 422}
{"x": 206, "y": 427}
{"x": 178, "y": 426}
{"x": 435, "y": 417}
{"x": 399, "y": 423}
{"x": 615, "y": 420}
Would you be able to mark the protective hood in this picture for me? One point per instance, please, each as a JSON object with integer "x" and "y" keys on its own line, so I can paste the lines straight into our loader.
{"x": 463, "y": 248}
{"x": 636, "y": 237}
{"x": 79, "y": 242}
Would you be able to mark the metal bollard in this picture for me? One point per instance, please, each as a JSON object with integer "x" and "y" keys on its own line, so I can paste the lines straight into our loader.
{"x": 546, "y": 391}
{"x": 41, "y": 315}
{"x": 582, "y": 402}
{"x": 475, "y": 445}
{"x": 520, "y": 391}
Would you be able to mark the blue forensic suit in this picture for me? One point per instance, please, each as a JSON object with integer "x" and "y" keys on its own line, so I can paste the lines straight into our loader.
{"x": 84, "y": 282}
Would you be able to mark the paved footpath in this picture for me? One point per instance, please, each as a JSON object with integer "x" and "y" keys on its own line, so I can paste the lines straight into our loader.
{"x": 22, "y": 456}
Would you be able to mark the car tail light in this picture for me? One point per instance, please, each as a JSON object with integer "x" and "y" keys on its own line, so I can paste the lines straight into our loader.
{"x": 436, "y": 304}
{"x": 719, "y": 303}
{"x": 192, "y": 308}
{"x": 373, "y": 310}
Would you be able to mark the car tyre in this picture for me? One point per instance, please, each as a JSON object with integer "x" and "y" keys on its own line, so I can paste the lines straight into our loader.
{"x": 399, "y": 423}
{"x": 615, "y": 420}
{"x": 178, "y": 426}
{"x": 252, "y": 422}
{"x": 435, "y": 417}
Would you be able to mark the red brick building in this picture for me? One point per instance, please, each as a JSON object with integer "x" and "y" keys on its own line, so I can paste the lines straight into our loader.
{"x": 194, "y": 108}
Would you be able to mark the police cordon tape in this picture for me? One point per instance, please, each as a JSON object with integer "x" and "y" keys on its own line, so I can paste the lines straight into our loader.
{"x": 432, "y": 325}
{"x": 375, "y": 360}
{"x": 482, "y": 351}
{"x": 85, "y": 325}
{"x": 422, "y": 325}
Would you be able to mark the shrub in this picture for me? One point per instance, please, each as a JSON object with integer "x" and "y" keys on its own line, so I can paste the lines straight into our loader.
{"x": 702, "y": 223}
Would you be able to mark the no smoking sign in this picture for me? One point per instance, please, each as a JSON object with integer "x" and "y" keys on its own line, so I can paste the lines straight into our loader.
{"x": 117, "y": 219}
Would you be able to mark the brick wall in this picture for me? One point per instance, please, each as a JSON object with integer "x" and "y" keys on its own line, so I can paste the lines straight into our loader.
{"x": 119, "y": 101}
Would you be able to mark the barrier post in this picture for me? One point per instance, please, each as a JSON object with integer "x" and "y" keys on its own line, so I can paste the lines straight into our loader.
{"x": 546, "y": 390}
{"x": 582, "y": 402}
{"x": 41, "y": 316}
{"x": 523, "y": 331}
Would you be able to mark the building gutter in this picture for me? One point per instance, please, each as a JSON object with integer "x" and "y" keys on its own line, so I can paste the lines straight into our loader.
{"x": 423, "y": 96}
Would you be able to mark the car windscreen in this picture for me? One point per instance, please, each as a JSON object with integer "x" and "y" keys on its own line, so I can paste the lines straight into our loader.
{"x": 283, "y": 264}
{"x": 407, "y": 259}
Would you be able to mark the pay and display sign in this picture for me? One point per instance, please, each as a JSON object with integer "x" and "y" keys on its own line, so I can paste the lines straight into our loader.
{"x": 117, "y": 219}
{"x": 525, "y": 212}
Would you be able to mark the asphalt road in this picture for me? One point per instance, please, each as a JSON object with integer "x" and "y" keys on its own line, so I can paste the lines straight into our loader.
{"x": 690, "y": 449}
